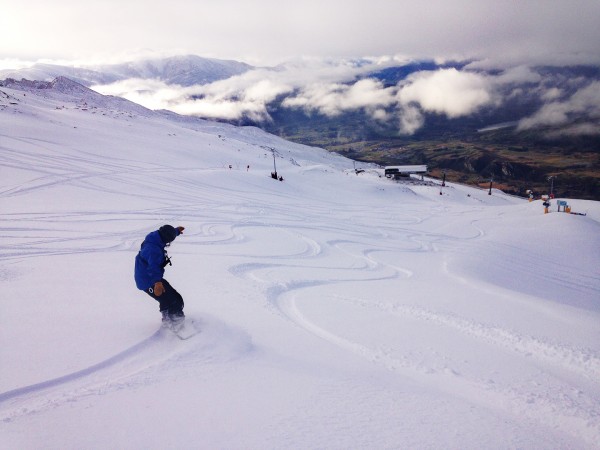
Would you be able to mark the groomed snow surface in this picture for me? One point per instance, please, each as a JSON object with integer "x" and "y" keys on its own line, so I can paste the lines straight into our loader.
{"x": 337, "y": 311}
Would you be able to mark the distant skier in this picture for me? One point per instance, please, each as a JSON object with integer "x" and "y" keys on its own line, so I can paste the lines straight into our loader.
{"x": 150, "y": 264}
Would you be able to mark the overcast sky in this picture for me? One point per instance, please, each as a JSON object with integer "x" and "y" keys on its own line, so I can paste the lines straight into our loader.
{"x": 270, "y": 31}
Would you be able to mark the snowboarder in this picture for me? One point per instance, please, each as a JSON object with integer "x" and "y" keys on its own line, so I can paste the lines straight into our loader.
{"x": 150, "y": 264}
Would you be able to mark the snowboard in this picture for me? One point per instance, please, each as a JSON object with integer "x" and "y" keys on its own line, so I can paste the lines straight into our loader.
{"x": 185, "y": 329}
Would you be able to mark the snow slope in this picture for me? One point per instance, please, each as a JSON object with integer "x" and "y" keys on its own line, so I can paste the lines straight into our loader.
{"x": 336, "y": 311}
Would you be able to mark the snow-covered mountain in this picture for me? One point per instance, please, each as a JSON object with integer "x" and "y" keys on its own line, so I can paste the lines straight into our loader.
{"x": 336, "y": 310}
{"x": 179, "y": 70}
{"x": 64, "y": 89}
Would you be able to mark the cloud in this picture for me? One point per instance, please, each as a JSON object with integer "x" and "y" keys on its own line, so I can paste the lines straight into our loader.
{"x": 517, "y": 75}
{"x": 268, "y": 31}
{"x": 552, "y": 94}
{"x": 410, "y": 119}
{"x": 225, "y": 109}
{"x": 153, "y": 94}
{"x": 243, "y": 96}
{"x": 446, "y": 91}
{"x": 450, "y": 92}
{"x": 334, "y": 99}
{"x": 321, "y": 84}
{"x": 332, "y": 89}
{"x": 14, "y": 64}
{"x": 585, "y": 102}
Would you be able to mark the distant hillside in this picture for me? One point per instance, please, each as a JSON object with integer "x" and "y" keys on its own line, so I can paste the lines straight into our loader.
{"x": 517, "y": 161}
{"x": 181, "y": 70}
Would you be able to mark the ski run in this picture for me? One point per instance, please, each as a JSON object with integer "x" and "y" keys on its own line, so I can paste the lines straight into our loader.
{"x": 336, "y": 310}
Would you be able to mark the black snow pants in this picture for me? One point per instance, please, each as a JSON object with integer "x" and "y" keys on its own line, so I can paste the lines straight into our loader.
{"x": 170, "y": 300}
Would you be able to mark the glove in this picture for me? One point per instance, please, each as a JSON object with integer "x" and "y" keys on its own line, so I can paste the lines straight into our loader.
{"x": 181, "y": 229}
{"x": 158, "y": 288}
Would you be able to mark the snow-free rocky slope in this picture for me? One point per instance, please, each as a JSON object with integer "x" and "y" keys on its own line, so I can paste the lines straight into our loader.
{"x": 336, "y": 311}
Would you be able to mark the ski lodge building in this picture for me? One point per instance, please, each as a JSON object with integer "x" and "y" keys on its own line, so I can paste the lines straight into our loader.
{"x": 404, "y": 171}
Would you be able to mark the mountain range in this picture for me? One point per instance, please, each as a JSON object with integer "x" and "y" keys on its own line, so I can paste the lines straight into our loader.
{"x": 181, "y": 70}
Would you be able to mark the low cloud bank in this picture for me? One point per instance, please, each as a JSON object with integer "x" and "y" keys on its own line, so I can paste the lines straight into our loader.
{"x": 334, "y": 88}
{"x": 334, "y": 99}
{"x": 584, "y": 103}
{"x": 446, "y": 91}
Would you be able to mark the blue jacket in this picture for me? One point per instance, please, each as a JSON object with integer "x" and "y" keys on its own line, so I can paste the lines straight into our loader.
{"x": 149, "y": 267}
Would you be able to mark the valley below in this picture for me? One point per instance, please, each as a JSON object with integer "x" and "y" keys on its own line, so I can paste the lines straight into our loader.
{"x": 515, "y": 162}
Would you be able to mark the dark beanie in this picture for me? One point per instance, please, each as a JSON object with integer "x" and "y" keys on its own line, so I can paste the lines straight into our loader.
{"x": 168, "y": 233}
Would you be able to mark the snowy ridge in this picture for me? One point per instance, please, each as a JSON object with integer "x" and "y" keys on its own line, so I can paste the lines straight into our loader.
{"x": 180, "y": 70}
{"x": 336, "y": 310}
{"x": 63, "y": 90}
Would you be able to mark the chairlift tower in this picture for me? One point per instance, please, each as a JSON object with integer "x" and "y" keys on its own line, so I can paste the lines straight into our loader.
{"x": 274, "y": 174}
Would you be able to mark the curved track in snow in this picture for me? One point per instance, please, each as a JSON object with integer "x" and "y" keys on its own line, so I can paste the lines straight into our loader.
{"x": 144, "y": 363}
{"x": 312, "y": 286}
